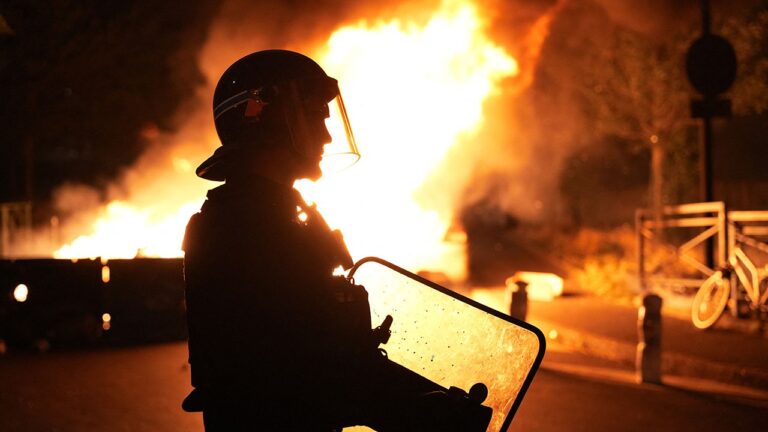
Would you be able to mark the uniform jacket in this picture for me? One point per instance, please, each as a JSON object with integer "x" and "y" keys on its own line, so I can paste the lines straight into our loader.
{"x": 260, "y": 306}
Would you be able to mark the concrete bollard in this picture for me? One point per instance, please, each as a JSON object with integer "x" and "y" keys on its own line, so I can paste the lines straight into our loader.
{"x": 648, "y": 361}
{"x": 518, "y": 307}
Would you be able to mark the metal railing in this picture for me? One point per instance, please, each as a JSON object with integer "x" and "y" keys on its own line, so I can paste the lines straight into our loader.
{"x": 749, "y": 228}
{"x": 710, "y": 217}
{"x": 729, "y": 229}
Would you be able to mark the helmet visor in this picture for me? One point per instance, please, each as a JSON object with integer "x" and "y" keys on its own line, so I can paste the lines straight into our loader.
{"x": 316, "y": 116}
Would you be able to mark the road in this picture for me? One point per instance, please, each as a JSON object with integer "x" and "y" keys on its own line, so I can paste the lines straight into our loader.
{"x": 139, "y": 389}
{"x": 612, "y": 401}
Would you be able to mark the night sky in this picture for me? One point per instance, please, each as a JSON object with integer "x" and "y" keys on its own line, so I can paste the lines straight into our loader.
{"x": 84, "y": 83}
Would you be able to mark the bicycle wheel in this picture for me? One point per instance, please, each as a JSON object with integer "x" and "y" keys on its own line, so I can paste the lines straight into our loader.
{"x": 709, "y": 302}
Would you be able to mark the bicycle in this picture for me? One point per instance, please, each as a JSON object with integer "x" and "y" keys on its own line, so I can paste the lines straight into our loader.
{"x": 741, "y": 281}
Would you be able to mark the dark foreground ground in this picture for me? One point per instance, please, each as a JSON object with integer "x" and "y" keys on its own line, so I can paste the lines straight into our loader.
{"x": 140, "y": 389}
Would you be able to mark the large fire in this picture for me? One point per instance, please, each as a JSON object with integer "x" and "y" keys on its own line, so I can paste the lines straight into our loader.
{"x": 413, "y": 91}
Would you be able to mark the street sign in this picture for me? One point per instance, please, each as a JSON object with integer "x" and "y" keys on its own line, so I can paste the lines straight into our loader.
{"x": 711, "y": 65}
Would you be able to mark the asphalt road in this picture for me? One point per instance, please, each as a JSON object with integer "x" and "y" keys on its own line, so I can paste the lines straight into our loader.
{"x": 560, "y": 401}
{"x": 140, "y": 389}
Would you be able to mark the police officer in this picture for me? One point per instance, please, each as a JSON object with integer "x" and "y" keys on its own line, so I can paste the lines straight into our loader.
{"x": 276, "y": 342}
{"x": 262, "y": 304}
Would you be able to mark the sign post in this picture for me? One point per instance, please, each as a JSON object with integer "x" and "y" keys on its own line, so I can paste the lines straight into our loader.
{"x": 711, "y": 67}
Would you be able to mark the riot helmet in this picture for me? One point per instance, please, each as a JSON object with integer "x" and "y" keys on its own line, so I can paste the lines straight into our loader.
{"x": 278, "y": 98}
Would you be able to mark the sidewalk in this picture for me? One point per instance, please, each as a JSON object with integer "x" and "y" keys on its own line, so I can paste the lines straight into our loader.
{"x": 601, "y": 370}
{"x": 728, "y": 354}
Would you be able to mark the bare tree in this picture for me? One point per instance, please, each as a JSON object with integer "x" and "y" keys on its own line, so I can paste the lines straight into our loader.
{"x": 637, "y": 90}
{"x": 635, "y": 85}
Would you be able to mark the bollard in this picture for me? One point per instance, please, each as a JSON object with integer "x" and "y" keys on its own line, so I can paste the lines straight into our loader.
{"x": 648, "y": 361}
{"x": 518, "y": 307}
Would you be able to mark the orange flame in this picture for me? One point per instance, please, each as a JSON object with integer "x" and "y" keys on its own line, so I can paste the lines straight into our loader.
{"x": 413, "y": 91}
{"x": 124, "y": 231}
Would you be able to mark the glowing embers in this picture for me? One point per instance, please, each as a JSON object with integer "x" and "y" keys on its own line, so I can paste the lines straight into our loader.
{"x": 20, "y": 293}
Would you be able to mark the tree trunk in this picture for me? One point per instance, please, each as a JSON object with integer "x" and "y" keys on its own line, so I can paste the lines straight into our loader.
{"x": 657, "y": 180}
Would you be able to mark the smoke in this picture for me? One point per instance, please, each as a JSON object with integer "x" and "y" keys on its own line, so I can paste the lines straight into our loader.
{"x": 651, "y": 17}
{"x": 513, "y": 166}
{"x": 657, "y": 18}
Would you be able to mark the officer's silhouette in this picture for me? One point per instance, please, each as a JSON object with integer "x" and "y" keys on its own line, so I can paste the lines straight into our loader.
{"x": 276, "y": 342}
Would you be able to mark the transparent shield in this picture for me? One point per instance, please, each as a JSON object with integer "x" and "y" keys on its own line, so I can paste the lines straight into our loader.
{"x": 341, "y": 152}
{"x": 453, "y": 340}
{"x": 314, "y": 114}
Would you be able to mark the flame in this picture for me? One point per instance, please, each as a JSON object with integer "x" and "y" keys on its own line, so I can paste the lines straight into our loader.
{"x": 413, "y": 90}
{"x": 125, "y": 231}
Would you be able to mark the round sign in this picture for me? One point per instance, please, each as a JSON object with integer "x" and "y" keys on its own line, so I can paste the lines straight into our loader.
{"x": 711, "y": 64}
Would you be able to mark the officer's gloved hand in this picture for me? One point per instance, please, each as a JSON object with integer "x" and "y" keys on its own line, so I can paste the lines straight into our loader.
{"x": 455, "y": 410}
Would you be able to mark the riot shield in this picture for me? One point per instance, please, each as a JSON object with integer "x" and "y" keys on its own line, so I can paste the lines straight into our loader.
{"x": 452, "y": 340}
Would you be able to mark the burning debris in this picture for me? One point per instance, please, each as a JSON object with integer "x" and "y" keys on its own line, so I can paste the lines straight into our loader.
{"x": 464, "y": 101}
{"x": 417, "y": 88}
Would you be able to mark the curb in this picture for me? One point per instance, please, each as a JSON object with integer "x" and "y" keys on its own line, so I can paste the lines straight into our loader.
{"x": 672, "y": 363}
{"x": 738, "y": 394}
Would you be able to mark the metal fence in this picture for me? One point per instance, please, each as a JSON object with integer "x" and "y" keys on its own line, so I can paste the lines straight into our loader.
{"x": 707, "y": 220}
{"x": 707, "y": 228}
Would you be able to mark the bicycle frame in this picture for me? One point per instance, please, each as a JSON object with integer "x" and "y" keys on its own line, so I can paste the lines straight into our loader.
{"x": 749, "y": 276}
{"x": 731, "y": 232}
{"x": 744, "y": 228}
